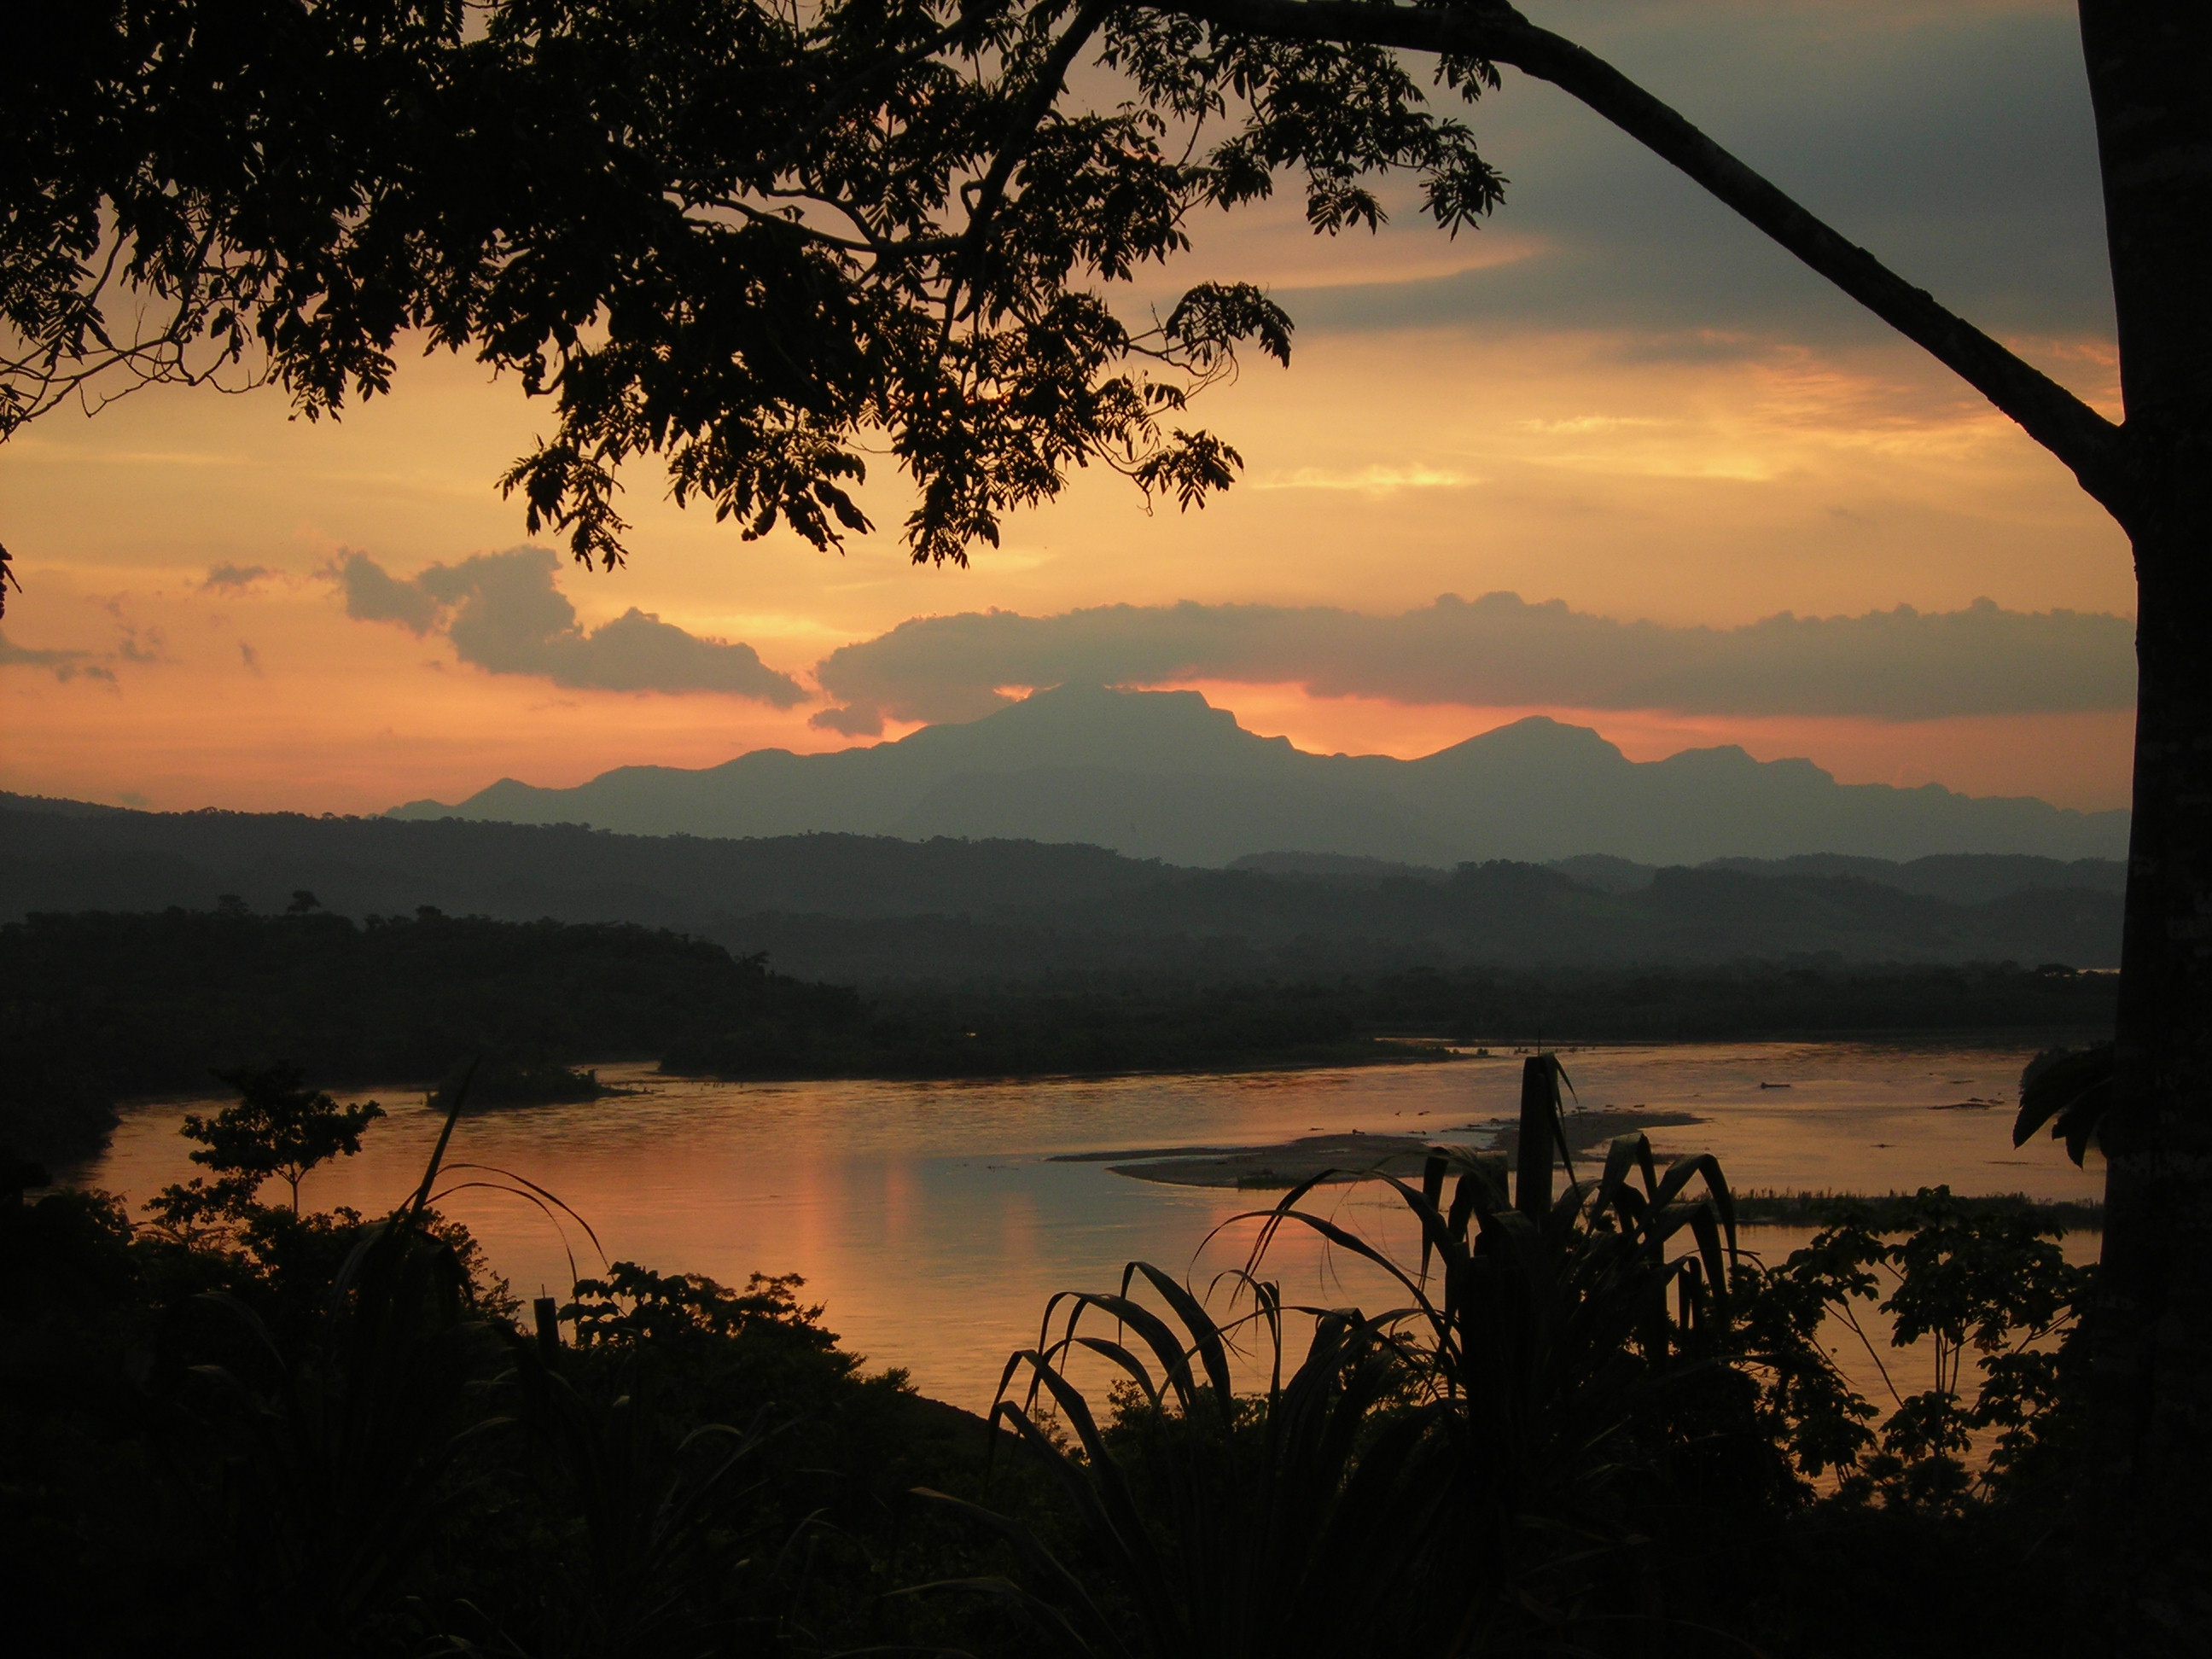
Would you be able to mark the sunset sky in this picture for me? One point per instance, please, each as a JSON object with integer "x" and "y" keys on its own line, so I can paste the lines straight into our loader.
{"x": 1612, "y": 397}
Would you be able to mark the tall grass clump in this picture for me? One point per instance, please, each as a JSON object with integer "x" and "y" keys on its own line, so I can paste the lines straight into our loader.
{"x": 1583, "y": 1420}
{"x": 1468, "y": 1467}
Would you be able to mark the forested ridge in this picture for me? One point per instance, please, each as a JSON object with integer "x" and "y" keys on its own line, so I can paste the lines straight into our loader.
{"x": 100, "y": 1006}
{"x": 877, "y": 911}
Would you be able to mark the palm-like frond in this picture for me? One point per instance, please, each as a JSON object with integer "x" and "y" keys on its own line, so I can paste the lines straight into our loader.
{"x": 1472, "y": 1443}
{"x": 1215, "y": 1525}
{"x": 2072, "y": 1093}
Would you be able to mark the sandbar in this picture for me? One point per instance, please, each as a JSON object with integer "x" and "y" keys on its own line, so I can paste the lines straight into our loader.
{"x": 1354, "y": 1156}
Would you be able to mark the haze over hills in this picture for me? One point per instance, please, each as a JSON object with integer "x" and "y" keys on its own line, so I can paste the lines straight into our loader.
{"x": 1957, "y": 878}
{"x": 876, "y": 910}
{"x": 1164, "y": 776}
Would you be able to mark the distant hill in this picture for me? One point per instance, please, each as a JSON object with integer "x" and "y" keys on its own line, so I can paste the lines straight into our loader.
{"x": 875, "y": 910}
{"x": 1162, "y": 774}
{"x": 99, "y": 1005}
{"x": 1961, "y": 878}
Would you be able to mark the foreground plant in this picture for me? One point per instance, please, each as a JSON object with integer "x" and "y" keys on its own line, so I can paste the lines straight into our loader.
{"x": 1216, "y": 1524}
{"x": 349, "y": 1441}
{"x": 1991, "y": 1286}
{"x": 278, "y": 1128}
{"x": 1452, "y": 1471}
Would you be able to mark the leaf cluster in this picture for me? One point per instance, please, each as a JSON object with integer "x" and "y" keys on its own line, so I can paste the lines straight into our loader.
{"x": 2071, "y": 1089}
{"x": 757, "y": 240}
{"x": 633, "y": 1306}
{"x": 1480, "y": 1458}
{"x": 279, "y": 1127}
{"x": 1970, "y": 1281}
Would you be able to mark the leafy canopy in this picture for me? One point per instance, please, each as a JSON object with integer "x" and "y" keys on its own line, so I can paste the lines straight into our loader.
{"x": 761, "y": 240}
{"x": 279, "y": 1127}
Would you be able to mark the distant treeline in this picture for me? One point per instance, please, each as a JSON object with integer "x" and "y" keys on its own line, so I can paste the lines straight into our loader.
{"x": 1740, "y": 1002}
{"x": 1901, "y": 1212}
{"x": 1510, "y": 919}
{"x": 1026, "y": 1032}
{"x": 100, "y": 1006}
{"x": 875, "y": 911}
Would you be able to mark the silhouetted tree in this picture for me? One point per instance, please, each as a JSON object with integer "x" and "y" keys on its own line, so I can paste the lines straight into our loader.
{"x": 279, "y": 1127}
{"x": 742, "y": 236}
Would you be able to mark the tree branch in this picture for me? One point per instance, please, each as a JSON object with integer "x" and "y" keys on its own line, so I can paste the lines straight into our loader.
{"x": 2093, "y": 447}
{"x": 881, "y": 248}
{"x": 1052, "y": 74}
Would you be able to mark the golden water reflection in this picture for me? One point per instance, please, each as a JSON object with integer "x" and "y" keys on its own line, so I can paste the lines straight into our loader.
{"x": 929, "y": 1220}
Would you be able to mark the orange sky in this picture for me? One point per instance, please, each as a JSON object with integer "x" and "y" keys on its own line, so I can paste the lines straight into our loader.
{"x": 1614, "y": 450}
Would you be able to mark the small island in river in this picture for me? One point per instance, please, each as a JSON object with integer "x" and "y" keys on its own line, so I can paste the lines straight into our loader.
{"x": 1353, "y": 1156}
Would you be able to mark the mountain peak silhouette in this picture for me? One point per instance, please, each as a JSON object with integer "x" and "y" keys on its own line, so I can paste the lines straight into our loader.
{"x": 1166, "y": 774}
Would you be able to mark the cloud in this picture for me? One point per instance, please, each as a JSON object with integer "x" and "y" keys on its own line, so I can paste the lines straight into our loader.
{"x": 1369, "y": 481}
{"x": 1500, "y": 651}
{"x": 64, "y": 665}
{"x": 502, "y": 612}
{"x": 371, "y": 595}
{"x": 233, "y": 578}
{"x": 1955, "y": 143}
{"x": 131, "y": 649}
{"x": 862, "y": 720}
{"x": 250, "y": 657}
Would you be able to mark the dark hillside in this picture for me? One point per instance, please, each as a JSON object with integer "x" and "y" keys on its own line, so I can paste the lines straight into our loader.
{"x": 1243, "y": 925}
{"x": 51, "y": 860}
{"x": 1740, "y": 1002}
{"x": 872, "y": 910}
{"x": 99, "y": 1007}
{"x": 1961, "y": 877}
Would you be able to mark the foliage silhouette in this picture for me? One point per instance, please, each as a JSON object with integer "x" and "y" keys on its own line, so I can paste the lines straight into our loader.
{"x": 1551, "y": 1442}
{"x": 1283, "y": 1523}
{"x": 2069, "y": 1091}
{"x": 279, "y": 1127}
{"x": 349, "y": 1440}
{"x": 1588, "y": 1422}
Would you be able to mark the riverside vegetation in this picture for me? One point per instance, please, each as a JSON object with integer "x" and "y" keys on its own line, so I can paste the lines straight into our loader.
{"x": 1581, "y": 1418}
{"x": 99, "y": 1006}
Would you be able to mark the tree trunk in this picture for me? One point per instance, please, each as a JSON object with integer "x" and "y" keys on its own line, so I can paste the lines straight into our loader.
{"x": 2146, "y": 1517}
{"x": 2149, "y": 1515}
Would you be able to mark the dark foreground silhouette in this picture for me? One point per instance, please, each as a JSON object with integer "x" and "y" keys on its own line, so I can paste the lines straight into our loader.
{"x": 1591, "y": 1424}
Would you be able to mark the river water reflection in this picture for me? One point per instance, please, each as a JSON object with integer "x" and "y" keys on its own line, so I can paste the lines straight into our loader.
{"x": 931, "y": 1222}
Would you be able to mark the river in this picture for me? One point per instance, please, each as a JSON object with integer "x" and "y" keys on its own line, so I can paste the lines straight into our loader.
{"x": 931, "y": 1222}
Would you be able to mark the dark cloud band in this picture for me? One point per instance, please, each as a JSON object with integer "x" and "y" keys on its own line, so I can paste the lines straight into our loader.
{"x": 235, "y": 578}
{"x": 1955, "y": 143}
{"x": 1499, "y": 651}
{"x": 503, "y": 613}
{"x": 64, "y": 665}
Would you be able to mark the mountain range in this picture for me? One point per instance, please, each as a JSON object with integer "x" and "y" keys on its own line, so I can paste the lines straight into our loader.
{"x": 1162, "y": 774}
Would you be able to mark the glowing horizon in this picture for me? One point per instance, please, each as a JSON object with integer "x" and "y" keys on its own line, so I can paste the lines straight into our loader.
{"x": 1614, "y": 397}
